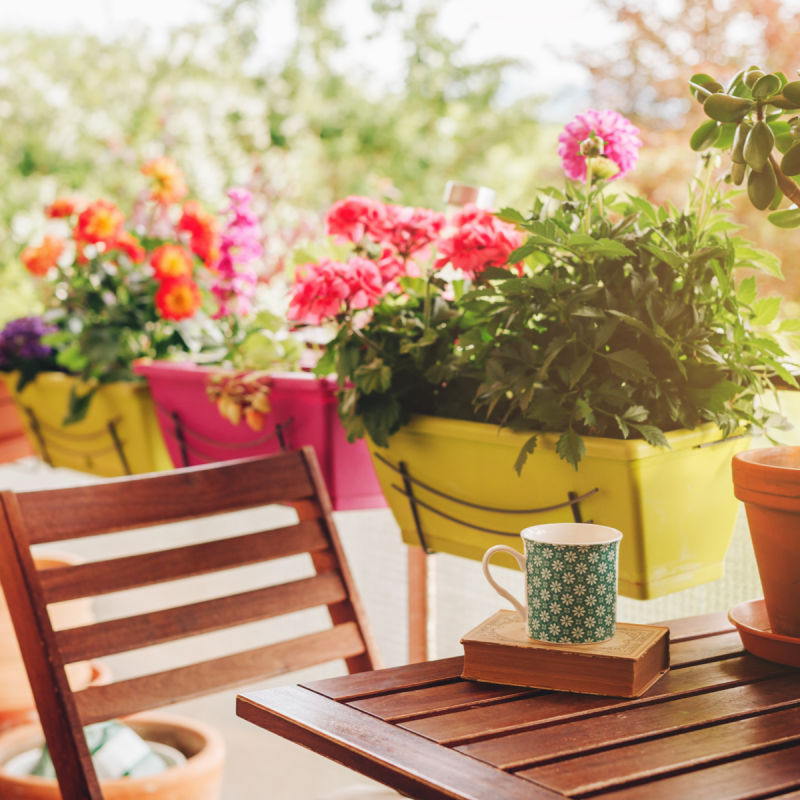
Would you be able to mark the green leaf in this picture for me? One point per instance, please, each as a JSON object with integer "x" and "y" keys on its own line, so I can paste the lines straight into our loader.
{"x": 709, "y": 352}
{"x": 789, "y": 218}
{"x": 705, "y": 136}
{"x": 746, "y": 293}
{"x": 382, "y": 416}
{"x": 653, "y": 435}
{"x": 790, "y": 326}
{"x": 629, "y": 365}
{"x": 675, "y": 261}
{"x": 765, "y": 310}
{"x": 527, "y": 450}
{"x": 609, "y": 248}
{"x": 327, "y": 364}
{"x": 570, "y": 446}
{"x": 78, "y": 406}
{"x": 511, "y": 215}
{"x": 373, "y": 377}
{"x": 636, "y": 414}
{"x": 584, "y": 412}
{"x": 645, "y": 207}
{"x": 589, "y": 311}
{"x": 579, "y": 367}
{"x": 763, "y": 260}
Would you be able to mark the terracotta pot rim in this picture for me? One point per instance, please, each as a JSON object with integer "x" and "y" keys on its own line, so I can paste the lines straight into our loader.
{"x": 213, "y": 752}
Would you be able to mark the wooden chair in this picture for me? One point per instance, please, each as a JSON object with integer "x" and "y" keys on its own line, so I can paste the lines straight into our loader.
{"x": 31, "y": 518}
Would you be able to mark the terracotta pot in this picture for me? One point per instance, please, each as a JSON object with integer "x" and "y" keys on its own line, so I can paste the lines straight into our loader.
{"x": 200, "y": 778}
{"x": 13, "y": 442}
{"x": 768, "y": 482}
{"x": 16, "y": 700}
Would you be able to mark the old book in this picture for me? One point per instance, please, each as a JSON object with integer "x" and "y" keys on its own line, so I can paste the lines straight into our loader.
{"x": 499, "y": 651}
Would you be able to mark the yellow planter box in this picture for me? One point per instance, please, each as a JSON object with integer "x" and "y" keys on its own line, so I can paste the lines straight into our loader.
{"x": 675, "y": 508}
{"x": 118, "y": 436}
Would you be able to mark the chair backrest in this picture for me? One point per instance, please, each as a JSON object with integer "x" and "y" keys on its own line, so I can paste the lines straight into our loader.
{"x": 32, "y": 518}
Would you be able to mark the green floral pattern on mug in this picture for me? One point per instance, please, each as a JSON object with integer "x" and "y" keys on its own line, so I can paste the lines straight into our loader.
{"x": 572, "y": 592}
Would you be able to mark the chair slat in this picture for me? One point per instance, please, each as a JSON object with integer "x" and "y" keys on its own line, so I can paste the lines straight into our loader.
{"x": 130, "y": 572}
{"x": 127, "y": 503}
{"x": 99, "y": 703}
{"x": 144, "y": 630}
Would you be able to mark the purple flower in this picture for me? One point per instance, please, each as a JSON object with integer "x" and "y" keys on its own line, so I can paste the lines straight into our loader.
{"x": 235, "y": 286}
{"x": 20, "y": 340}
{"x": 620, "y": 142}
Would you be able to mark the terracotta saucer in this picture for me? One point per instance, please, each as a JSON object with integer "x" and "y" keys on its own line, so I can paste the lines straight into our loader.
{"x": 753, "y": 623}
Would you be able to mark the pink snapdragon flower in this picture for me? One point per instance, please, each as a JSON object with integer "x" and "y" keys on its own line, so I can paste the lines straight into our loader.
{"x": 235, "y": 284}
{"x": 353, "y": 218}
{"x": 480, "y": 240}
{"x": 620, "y": 142}
{"x": 324, "y": 290}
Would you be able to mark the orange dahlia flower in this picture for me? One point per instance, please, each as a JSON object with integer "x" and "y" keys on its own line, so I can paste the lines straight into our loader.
{"x": 178, "y": 298}
{"x": 100, "y": 222}
{"x": 168, "y": 184}
{"x": 38, "y": 260}
{"x": 171, "y": 261}
{"x": 63, "y": 207}
{"x": 203, "y": 230}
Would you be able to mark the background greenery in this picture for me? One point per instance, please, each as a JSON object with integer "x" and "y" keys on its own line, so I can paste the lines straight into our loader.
{"x": 78, "y": 114}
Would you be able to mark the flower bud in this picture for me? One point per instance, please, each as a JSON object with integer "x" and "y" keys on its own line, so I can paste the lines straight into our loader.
{"x": 591, "y": 147}
{"x": 604, "y": 168}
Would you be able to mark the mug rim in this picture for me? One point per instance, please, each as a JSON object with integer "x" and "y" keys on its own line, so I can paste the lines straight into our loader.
{"x": 528, "y": 534}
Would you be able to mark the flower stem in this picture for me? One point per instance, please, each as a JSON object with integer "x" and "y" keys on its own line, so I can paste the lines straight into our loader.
{"x": 587, "y": 219}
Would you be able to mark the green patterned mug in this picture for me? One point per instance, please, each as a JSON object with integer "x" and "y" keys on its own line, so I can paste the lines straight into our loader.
{"x": 570, "y": 581}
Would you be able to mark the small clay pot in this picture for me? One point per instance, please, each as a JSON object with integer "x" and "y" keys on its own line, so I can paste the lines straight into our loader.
{"x": 200, "y": 778}
{"x": 768, "y": 482}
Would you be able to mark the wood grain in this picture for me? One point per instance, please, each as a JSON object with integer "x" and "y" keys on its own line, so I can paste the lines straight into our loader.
{"x": 709, "y": 648}
{"x": 142, "y": 500}
{"x": 131, "y": 572}
{"x": 132, "y": 633}
{"x": 408, "y": 763}
{"x": 412, "y": 676}
{"x": 681, "y": 630}
{"x": 570, "y": 738}
{"x": 99, "y": 703}
{"x": 394, "y": 707}
{"x": 660, "y": 756}
{"x": 558, "y": 707}
{"x": 756, "y": 777}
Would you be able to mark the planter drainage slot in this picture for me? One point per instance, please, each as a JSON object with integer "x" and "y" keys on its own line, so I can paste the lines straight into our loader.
{"x": 408, "y": 492}
{"x": 179, "y": 432}
{"x": 39, "y": 428}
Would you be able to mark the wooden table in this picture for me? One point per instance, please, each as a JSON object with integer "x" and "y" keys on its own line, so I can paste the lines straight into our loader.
{"x": 721, "y": 725}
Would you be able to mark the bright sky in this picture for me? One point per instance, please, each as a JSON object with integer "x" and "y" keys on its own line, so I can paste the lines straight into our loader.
{"x": 534, "y": 31}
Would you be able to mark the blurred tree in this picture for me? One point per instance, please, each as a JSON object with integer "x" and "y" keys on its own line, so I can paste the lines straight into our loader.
{"x": 79, "y": 115}
{"x": 645, "y": 74}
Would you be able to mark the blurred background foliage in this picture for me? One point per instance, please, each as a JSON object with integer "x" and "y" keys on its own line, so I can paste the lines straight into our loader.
{"x": 79, "y": 115}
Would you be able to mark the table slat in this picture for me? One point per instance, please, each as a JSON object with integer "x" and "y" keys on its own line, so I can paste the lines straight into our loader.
{"x": 709, "y": 648}
{"x": 408, "y": 763}
{"x": 411, "y": 676}
{"x": 669, "y": 754}
{"x": 394, "y": 707}
{"x": 696, "y": 627}
{"x": 559, "y": 707}
{"x": 571, "y": 738}
{"x": 756, "y": 777}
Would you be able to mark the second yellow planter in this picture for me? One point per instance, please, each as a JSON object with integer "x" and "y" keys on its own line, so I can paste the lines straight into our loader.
{"x": 675, "y": 508}
{"x": 118, "y": 436}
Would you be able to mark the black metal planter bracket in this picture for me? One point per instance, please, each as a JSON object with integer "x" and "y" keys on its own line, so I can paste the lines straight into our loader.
{"x": 407, "y": 490}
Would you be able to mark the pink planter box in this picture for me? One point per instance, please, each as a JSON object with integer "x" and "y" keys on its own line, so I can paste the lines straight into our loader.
{"x": 303, "y": 413}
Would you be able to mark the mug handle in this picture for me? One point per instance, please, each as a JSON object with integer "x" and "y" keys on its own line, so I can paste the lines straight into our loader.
{"x": 521, "y": 610}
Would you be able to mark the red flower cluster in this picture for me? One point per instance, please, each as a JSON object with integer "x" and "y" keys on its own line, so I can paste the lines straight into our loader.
{"x": 324, "y": 289}
{"x": 178, "y": 298}
{"x": 203, "y": 230}
{"x": 480, "y": 240}
{"x": 168, "y": 184}
{"x": 63, "y": 207}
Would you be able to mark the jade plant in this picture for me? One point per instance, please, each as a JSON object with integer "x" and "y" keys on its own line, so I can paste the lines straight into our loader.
{"x": 747, "y": 118}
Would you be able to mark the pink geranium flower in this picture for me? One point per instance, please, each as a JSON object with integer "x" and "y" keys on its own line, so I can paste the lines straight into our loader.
{"x": 480, "y": 240}
{"x": 364, "y": 282}
{"x": 353, "y": 218}
{"x": 620, "y": 142}
{"x": 412, "y": 230}
{"x": 319, "y": 291}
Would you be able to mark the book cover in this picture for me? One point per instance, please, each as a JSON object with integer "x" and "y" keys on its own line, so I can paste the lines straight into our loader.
{"x": 499, "y": 651}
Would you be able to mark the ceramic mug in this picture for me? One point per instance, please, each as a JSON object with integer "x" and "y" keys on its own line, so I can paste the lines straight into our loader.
{"x": 570, "y": 580}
